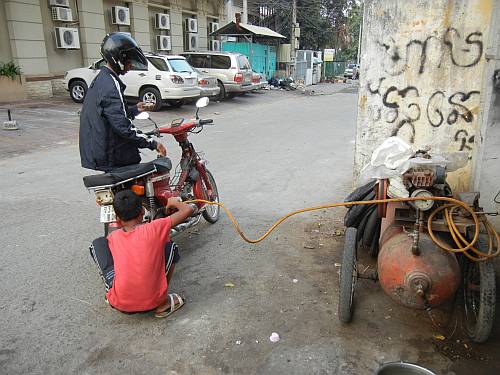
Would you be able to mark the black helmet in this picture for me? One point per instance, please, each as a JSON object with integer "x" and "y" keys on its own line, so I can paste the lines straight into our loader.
{"x": 118, "y": 49}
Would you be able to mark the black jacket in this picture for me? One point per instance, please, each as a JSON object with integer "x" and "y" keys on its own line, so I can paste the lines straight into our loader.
{"x": 108, "y": 138}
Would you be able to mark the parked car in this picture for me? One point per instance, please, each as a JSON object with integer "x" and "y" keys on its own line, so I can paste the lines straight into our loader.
{"x": 258, "y": 81}
{"x": 207, "y": 84}
{"x": 165, "y": 78}
{"x": 232, "y": 70}
{"x": 351, "y": 71}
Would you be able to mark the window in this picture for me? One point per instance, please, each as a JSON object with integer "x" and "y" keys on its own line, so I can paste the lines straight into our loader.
{"x": 159, "y": 63}
{"x": 220, "y": 62}
{"x": 136, "y": 65}
{"x": 243, "y": 63}
{"x": 198, "y": 61}
{"x": 180, "y": 66}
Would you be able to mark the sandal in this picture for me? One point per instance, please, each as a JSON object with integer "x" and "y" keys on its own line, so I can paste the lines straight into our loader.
{"x": 173, "y": 307}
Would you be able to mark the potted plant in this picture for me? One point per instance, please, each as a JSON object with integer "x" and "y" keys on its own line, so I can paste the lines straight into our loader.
{"x": 11, "y": 82}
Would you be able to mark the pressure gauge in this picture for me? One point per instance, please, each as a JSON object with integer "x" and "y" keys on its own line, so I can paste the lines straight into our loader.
{"x": 422, "y": 205}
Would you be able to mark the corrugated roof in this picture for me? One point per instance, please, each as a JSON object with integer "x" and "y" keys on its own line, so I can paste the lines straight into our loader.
{"x": 256, "y": 30}
{"x": 261, "y": 31}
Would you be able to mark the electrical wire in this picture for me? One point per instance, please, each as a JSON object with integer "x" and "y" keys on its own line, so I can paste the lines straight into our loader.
{"x": 465, "y": 246}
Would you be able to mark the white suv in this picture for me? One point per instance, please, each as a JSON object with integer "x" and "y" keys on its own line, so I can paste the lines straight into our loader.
{"x": 165, "y": 78}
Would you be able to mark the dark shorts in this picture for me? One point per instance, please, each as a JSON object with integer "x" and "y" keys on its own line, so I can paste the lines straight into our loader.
{"x": 99, "y": 250}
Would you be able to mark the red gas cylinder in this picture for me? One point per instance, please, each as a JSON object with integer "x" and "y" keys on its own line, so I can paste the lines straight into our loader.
{"x": 416, "y": 281}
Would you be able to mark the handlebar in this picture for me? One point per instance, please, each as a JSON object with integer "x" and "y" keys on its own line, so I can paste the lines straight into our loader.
{"x": 151, "y": 133}
{"x": 194, "y": 124}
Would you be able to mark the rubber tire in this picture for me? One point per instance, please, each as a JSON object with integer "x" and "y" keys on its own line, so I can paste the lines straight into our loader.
{"x": 370, "y": 229}
{"x": 78, "y": 83}
{"x": 156, "y": 93}
{"x": 487, "y": 298}
{"x": 175, "y": 103}
{"x": 222, "y": 92}
{"x": 205, "y": 214}
{"x": 356, "y": 213}
{"x": 347, "y": 274}
{"x": 362, "y": 225}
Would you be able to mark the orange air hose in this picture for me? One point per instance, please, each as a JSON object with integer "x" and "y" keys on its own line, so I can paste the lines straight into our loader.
{"x": 449, "y": 208}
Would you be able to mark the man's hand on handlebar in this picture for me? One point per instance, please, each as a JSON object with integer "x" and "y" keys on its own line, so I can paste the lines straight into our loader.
{"x": 161, "y": 149}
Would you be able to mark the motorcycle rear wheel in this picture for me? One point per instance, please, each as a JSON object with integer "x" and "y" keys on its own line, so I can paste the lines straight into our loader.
{"x": 211, "y": 211}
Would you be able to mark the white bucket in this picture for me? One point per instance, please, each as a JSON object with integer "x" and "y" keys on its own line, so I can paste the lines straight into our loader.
{"x": 402, "y": 368}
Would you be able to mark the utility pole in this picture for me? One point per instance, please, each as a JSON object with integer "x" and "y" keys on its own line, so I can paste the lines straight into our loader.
{"x": 360, "y": 31}
{"x": 292, "y": 38}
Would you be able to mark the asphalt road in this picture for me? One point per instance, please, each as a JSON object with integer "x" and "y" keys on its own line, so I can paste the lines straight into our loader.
{"x": 270, "y": 153}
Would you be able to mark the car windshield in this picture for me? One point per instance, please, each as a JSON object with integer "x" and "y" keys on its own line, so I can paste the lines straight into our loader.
{"x": 159, "y": 63}
{"x": 180, "y": 66}
{"x": 351, "y": 66}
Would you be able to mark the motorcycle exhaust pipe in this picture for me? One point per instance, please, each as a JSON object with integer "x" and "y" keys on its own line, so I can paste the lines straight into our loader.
{"x": 192, "y": 221}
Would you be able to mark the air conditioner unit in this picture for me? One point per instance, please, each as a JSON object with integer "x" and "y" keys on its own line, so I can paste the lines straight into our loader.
{"x": 62, "y": 14}
{"x": 192, "y": 25}
{"x": 213, "y": 26}
{"x": 163, "y": 43}
{"x": 59, "y": 3}
{"x": 67, "y": 37}
{"x": 215, "y": 45}
{"x": 162, "y": 21}
{"x": 120, "y": 15}
{"x": 191, "y": 41}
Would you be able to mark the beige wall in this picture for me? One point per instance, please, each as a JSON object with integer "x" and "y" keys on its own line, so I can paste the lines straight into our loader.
{"x": 59, "y": 60}
{"x": 24, "y": 22}
{"x": 422, "y": 68}
{"x": 107, "y": 17}
{"x": 5, "y": 52}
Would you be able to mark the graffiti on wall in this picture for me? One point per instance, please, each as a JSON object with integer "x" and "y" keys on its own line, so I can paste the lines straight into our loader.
{"x": 415, "y": 106}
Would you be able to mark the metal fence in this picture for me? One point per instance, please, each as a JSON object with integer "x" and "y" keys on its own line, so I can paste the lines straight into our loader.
{"x": 334, "y": 68}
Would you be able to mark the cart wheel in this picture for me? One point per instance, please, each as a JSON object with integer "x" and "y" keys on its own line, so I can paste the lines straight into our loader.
{"x": 348, "y": 276}
{"x": 479, "y": 297}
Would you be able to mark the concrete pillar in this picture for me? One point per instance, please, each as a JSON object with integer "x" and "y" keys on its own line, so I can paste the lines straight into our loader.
{"x": 486, "y": 178}
{"x": 202, "y": 26}
{"x": 421, "y": 77}
{"x": 139, "y": 18}
{"x": 24, "y": 21}
{"x": 176, "y": 30}
{"x": 92, "y": 29}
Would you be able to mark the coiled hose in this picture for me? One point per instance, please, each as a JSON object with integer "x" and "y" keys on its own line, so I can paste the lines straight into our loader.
{"x": 464, "y": 246}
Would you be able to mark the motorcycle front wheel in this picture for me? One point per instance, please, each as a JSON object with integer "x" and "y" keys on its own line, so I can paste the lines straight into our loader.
{"x": 211, "y": 211}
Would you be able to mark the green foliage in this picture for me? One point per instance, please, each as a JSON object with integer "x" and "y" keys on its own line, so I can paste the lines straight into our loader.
{"x": 10, "y": 70}
{"x": 323, "y": 23}
{"x": 354, "y": 18}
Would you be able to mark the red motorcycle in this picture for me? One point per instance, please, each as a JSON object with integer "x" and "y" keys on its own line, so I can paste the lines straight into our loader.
{"x": 152, "y": 182}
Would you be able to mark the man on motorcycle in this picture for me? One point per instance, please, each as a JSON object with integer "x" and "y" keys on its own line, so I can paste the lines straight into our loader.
{"x": 108, "y": 138}
{"x": 137, "y": 262}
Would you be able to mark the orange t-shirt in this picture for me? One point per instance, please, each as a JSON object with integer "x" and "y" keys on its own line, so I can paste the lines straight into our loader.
{"x": 140, "y": 283}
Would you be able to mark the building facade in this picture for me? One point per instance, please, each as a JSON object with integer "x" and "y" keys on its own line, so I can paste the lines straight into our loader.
{"x": 45, "y": 38}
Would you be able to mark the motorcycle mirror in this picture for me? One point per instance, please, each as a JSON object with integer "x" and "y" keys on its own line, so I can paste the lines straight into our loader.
{"x": 142, "y": 116}
{"x": 202, "y": 102}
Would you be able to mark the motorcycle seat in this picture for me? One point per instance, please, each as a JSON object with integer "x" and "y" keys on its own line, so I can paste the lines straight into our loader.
{"x": 123, "y": 174}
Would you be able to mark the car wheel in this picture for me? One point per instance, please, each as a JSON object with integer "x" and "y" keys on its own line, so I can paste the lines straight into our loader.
{"x": 77, "y": 91}
{"x": 175, "y": 103}
{"x": 222, "y": 92}
{"x": 151, "y": 95}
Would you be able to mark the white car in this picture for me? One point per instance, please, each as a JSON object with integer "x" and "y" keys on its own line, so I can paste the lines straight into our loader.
{"x": 165, "y": 78}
